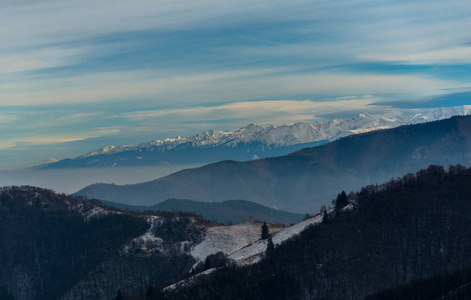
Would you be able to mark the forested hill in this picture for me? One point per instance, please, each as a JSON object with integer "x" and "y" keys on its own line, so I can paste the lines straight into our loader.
{"x": 450, "y": 286}
{"x": 304, "y": 180}
{"x": 409, "y": 228}
{"x": 54, "y": 246}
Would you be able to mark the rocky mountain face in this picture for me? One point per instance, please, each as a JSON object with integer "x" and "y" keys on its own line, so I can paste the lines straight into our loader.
{"x": 410, "y": 228}
{"x": 245, "y": 143}
{"x": 307, "y": 179}
{"x": 54, "y": 246}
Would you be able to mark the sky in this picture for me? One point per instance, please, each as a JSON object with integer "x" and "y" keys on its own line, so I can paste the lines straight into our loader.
{"x": 79, "y": 75}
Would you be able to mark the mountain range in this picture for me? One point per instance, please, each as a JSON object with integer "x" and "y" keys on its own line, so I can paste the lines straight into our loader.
{"x": 309, "y": 178}
{"x": 245, "y": 143}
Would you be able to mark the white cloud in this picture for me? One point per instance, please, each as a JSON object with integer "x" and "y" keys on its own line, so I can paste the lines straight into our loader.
{"x": 211, "y": 87}
{"x": 48, "y": 57}
{"x": 50, "y": 139}
{"x": 261, "y": 112}
{"x": 6, "y": 119}
{"x": 7, "y": 145}
{"x": 67, "y": 120}
{"x": 451, "y": 55}
{"x": 33, "y": 23}
{"x": 264, "y": 49}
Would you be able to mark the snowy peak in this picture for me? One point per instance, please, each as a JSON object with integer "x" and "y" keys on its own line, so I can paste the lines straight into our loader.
{"x": 441, "y": 113}
{"x": 272, "y": 137}
{"x": 108, "y": 150}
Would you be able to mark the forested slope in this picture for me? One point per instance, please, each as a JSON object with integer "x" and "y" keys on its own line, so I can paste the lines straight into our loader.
{"x": 410, "y": 228}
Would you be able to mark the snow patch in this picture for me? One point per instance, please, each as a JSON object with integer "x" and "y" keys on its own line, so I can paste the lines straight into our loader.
{"x": 254, "y": 252}
{"x": 95, "y": 213}
{"x": 188, "y": 281}
{"x": 148, "y": 242}
{"x": 228, "y": 239}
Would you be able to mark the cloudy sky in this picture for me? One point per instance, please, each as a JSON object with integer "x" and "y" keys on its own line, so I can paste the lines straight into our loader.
{"x": 78, "y": 75}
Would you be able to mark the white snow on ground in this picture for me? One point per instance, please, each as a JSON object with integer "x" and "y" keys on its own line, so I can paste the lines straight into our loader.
{"x": 253, "y": 252}
{"x": 147, "y": 242}
{"x": 188, "y": 281}
{"x": 228, "y": 239}
{"x": 250, "y": 254}
{"x": 96, "y": 212}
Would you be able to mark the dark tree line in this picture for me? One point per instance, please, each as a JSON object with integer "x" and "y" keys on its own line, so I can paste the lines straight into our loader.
{"x": 409, "y": 228}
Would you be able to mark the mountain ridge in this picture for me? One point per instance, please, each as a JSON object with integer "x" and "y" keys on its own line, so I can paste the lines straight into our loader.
{"x": 247, "y": 142}
{"x": 226, "y": 212}
{"x": 299, "y": 181}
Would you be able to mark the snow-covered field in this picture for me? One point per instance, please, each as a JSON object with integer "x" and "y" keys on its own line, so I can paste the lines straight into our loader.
{"x": 253, "y": 252}
{"x": 242, "y": 243}
{"x": 228, "y": 239}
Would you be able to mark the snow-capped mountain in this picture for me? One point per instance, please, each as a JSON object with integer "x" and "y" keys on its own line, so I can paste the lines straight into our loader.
{"x": 270, "y": 136}
{"x": 248, "y": 142}
{"x": 441, "y": 113}
{"x": 303, "y": 180}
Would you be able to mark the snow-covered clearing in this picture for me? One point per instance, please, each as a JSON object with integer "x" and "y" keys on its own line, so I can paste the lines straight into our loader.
{"x": 188, "y": 281}
{"x": 228, "y": 239}
{"x": 242, "y": 243}
{"x": 147, "y": 242}
{"x": 253, "y": 252}
{"x": 96, "y": 212}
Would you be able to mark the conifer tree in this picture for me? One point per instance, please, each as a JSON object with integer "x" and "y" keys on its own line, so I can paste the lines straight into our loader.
{"x": 119, "y": 295}
{"x": 342, "y": 200}
{"x": 265, "y": 232}
{"x": 270, "y": 246}
{"x": 150, "y": 291}
{"x": 325, "y": 217}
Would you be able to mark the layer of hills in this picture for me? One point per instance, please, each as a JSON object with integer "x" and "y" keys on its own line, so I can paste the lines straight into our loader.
{"x": 247, "y": 142}
{"x": 407, "y": 231}
{"x": 386, "y": 235}
{"x": 226, "y": 212}
{"x": 309, "y": 178}
{"x": 54, "y": 246}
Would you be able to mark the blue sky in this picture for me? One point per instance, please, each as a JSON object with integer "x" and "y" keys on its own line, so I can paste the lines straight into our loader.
{"x": 78, "y": 75}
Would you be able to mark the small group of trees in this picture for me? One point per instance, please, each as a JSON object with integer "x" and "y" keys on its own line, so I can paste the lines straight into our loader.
{"x": 265, "y": 235}
{"x": 342, "y": 200}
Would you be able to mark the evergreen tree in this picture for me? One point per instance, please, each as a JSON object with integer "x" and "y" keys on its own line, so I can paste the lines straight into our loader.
{"x": 150, "y": 291}
{"x": 119, "y": 295}
{"x": 4, "y": 295}
{"x": 270, "y": 246}
{"x": 265, "y": 232}
{"x": 342, "y": 200}
{"x": 323, "y": 209}
{"x": 325, "y": 217}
